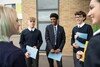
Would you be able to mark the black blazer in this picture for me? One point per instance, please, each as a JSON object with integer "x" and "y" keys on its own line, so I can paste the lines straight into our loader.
{"x": 92, "y": 57}
{"x": 50, "y": 40}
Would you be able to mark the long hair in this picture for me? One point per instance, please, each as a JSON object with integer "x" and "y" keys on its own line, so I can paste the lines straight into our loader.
{"x": 7, "y": 22}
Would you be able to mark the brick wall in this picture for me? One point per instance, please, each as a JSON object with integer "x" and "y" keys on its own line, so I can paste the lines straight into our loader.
{"x": 67, "y": 8}
{"x": 28, "y": 10}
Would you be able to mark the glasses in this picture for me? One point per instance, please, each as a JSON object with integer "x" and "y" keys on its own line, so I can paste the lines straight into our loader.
{"x": 78, "y": 16}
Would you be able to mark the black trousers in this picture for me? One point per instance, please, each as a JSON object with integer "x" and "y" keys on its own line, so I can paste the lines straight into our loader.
{"x": 33, "y": 62}
{"x": 77, "y": 63}
{"x": 51, "y": 62}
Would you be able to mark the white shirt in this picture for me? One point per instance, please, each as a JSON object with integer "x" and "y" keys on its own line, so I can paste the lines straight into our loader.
{"x": 98, "y": 31}
{"x": 31, "y": 29}
{"x": 56, "y": 27}
{"x": 80, "y": 25}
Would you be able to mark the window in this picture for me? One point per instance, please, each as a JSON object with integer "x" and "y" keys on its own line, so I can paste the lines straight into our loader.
{"x": 11, "y": 5}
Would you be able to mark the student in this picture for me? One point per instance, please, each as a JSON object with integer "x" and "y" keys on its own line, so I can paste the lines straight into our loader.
{"x": 10, "y": 55}
{"x": 81, "y": 27}
{"x": 92, "y": 54}
{"x": 31, "y": 37}
{"x": 55, "y": 38}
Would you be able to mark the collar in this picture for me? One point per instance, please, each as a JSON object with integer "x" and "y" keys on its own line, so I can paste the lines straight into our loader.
{"x": 31, "y": 29}
{"x": 81, "y": 25}
{"x": 97, "y": 32}
{"x": 56, "y": 26}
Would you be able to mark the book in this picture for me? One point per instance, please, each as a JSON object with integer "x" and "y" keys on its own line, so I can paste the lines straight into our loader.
{"x": 32, "y": 51}
{"x": 55, "y": 56}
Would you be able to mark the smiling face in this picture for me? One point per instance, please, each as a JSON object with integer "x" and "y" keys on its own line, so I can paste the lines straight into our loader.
{"x": 94, "y": 12}
{"x": 79, "y": 19}
{"x": 54, "y": 21}
{"x": 31, "y": 22}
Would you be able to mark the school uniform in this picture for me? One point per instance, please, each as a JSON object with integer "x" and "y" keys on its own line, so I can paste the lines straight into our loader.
{"x": 11, "y": 56}
{"x": 31, "y": 37}
{"x": 83, "y": 28}
{"x": 55, "y": 39}
{"x": 92, "y": 56}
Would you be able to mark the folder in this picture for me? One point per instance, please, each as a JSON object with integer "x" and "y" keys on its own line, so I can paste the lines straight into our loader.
{"x": 55, "y": 56}
{"x": 81, "y": 35}
{"x": 32, "y": 51}
{"x": 79, "y": 44}
{"x": 83, "y": 56}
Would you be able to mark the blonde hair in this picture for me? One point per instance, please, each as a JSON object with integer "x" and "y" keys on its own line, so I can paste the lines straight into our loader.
{"x": 31, "y": 18}
{"x": 7, "y": 22}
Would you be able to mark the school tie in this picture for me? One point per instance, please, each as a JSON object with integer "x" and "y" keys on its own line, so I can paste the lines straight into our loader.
{"x": 55, "y": 33}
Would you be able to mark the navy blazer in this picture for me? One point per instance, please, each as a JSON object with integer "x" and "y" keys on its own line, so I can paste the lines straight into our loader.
{"x": 11, "y": 56}
{"x": 92, "y": 57}
{"x": 50, "y": 38}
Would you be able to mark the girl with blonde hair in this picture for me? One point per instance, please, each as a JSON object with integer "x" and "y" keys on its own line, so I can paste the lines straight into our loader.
{"x": 10, "y": 56}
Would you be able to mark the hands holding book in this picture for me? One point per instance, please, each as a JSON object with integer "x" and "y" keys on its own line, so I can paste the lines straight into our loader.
{"x": 75, "y": 45}
{"x": 27, "y": 54}
{"x": 55, "y": 51}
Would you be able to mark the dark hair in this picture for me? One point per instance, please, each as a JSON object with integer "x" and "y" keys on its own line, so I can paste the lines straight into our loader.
{"x": 54, "y": 15}
{"x": 81, "y": 13}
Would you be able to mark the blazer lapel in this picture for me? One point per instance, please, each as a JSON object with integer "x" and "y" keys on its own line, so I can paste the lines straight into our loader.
{"x": 58, "y": 31}
{"x": 52, "y": 30}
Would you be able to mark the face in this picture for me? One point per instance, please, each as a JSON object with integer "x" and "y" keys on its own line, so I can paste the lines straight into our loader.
{"x": 94, "y": 12}
{"x": 17, "y": 25}
{"x": 79, "y": 19}
{"x": 15, "y": 29}
{"x": 31, "y": 23}
{"x": 54, "y": 21}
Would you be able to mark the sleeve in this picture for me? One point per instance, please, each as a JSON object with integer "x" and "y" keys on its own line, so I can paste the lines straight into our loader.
{"x": 40, "y": 41}
{"x": 92, "y": 56}
{"x": 90, "y": 34}
{"x": 47, "y": 38}
{"x": 19, "y": 60}
{"x": 63, "y": 39}
{"x": 22, "y": 41}
{"x": 72, "y": 37}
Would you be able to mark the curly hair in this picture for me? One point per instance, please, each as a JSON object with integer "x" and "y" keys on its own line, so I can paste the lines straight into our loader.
{"x": 81, "y": 13}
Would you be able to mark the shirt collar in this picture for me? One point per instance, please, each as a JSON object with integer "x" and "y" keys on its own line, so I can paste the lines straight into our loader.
{"x": 81, "y": 25}
{"x": 97, "y": 32}
{"x": 31, "y": 29}
{"x": 56, "y": 26}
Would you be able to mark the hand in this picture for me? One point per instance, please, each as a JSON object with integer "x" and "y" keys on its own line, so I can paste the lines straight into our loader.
{"x": 52, "y": 51}
{"x": 79, "y": 55}
{"x": 75, "y": 45}
{"x": 27, "y": 55}
{"x": 75, "y": 36}
{"x": 57, "y": 51}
